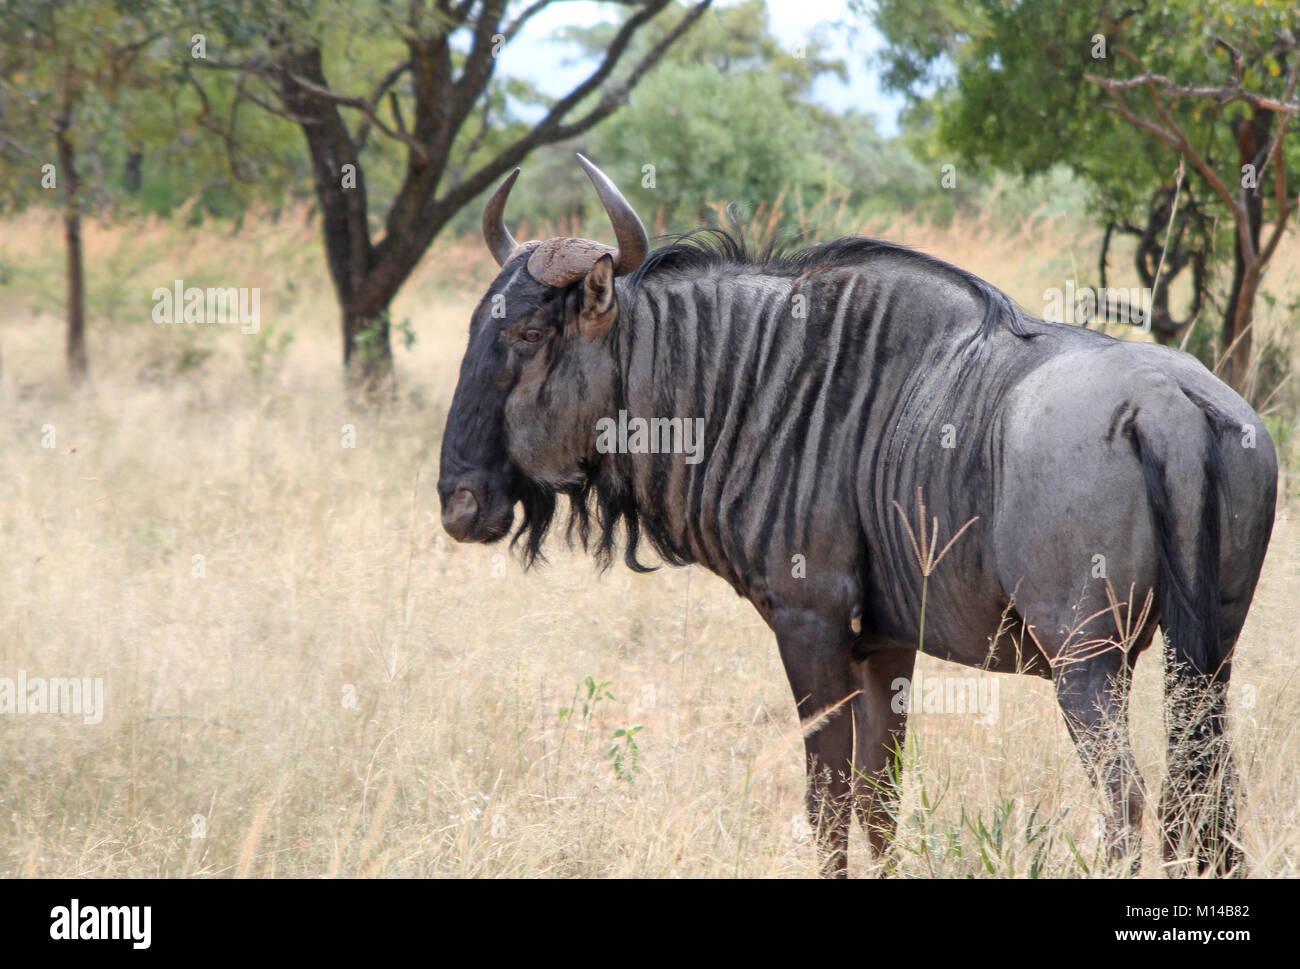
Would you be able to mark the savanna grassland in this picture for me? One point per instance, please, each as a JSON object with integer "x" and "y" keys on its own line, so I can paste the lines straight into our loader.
{"x": 304, "y": 676}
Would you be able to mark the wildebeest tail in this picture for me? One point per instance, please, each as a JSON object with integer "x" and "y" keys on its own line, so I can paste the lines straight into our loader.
{"x": 1189, "y": 604}
{"x": 1198, "y": 805}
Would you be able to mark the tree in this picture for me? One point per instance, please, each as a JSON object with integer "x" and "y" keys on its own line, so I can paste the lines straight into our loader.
{"x": 1260, "y": 145}
{"x": 734, "y": 40}
{"x": 725, "y": 117}
{"x": 1008, "y": 85}
{"x": 698, "y": 136}
{"x": 431, "y": 97}
{"x": 60, "y": 67}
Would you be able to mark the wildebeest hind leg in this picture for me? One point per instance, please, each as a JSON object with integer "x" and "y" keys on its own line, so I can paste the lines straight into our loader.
{"x": 817, "y": 664}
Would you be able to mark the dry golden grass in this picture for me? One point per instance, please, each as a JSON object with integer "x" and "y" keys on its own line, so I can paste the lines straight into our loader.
{"x": 346, "y": 692}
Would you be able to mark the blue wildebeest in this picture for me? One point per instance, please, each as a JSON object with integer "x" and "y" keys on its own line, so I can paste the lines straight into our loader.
{"x": 1107, "y": 488}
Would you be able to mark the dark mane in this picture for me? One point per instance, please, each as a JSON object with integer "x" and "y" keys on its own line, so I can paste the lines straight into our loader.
{"x": 714, "y": 250}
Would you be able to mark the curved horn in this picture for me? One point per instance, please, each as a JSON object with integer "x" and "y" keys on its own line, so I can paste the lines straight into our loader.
{"x": 498, "y": 238}
{"x": 628, "y": 230}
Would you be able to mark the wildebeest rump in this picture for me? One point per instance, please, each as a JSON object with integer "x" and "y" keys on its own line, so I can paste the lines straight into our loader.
{"x": 1105, "y": 488}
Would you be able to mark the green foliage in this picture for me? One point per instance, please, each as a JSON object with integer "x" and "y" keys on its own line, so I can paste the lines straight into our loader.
{"x": 1004, "y": 86}
{"x": 734, "y": 39}
{"x": 61, "y": 65}
{"x": 1009, "y": 86}
{"x": 726, "y": 118}
{"x": 586, "y": 696}
{"x": 711, "y": 137}
{"x": 590, "y": 692}
{"x": 367, "y": 343}
{"x": 145, "y": 139}
{"x": 625, "y": 755}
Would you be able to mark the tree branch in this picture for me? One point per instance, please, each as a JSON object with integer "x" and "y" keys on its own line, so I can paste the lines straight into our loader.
{"x": 523, "y": 18}
{"x": 480, "y": 61}
{"x": 617, "y": 96}
{"x": 549, "y": 131}
{"x": 1223, "y": 95}
{"x": 362, "y": 105}
{"x": 388, "y": 80}
{"x": 1173, "y": 136}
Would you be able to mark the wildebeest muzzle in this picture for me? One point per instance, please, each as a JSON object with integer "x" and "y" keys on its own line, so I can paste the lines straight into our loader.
{"x": 475, "y": 509}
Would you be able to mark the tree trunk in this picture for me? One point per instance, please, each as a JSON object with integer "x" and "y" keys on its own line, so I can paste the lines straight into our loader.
{"x": 1234, "y": 343}
{"x": 1252, "y": 136}
{"x": 78, "y": 369}
{"x": 341, "y": 191}
{"x": 368, "y": 357}
{"x": 1235, "y": 336}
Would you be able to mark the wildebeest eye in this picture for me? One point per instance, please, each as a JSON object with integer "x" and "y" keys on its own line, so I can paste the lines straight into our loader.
{"x": 532, "y": 335}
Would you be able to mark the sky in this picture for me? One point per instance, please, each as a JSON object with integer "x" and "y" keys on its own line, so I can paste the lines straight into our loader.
{"x": 532, "y": 57}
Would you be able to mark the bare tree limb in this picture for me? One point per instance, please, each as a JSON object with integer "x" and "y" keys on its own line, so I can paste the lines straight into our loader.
{"x": 1173, "y": 136}
{"x": 617, "y": 96}
{"x": 388, "y": 80}
{"x": 479, "y": 62}
{"x": 524, "y": 16}
{"x": 1223, "y": 95}
{"x": 365, "y": 107}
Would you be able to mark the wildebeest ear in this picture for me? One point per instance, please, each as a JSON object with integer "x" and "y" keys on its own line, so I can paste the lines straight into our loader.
{"x": 599, "y": 308}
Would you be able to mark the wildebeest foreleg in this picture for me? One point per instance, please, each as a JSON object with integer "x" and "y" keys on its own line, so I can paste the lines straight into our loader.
{"x": 884, "y": 680}
{"x": 817, "y": 663}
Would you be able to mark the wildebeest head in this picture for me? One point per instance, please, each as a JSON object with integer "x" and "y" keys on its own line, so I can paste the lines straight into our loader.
{"x": 537, "y": 374}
